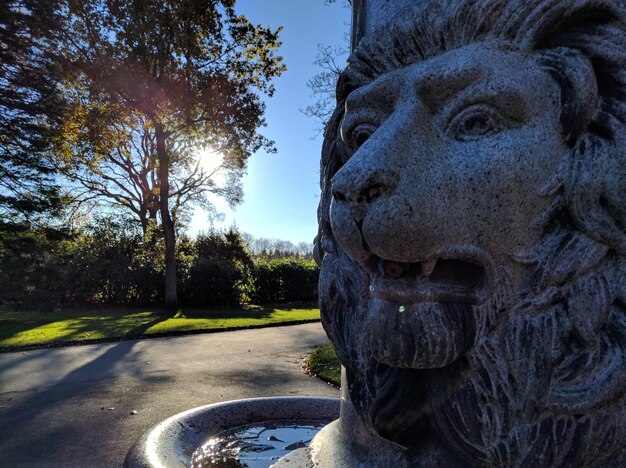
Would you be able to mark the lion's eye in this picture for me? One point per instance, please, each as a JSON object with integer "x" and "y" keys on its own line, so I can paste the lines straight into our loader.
{"x": 475, "y": 122}
{"x": 360, "y": 134}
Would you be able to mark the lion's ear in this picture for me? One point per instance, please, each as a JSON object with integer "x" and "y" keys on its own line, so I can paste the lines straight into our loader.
{"x": 580, "y": 99}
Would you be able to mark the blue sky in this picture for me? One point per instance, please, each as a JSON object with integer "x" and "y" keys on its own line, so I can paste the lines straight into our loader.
{"x": 282, "y": 190}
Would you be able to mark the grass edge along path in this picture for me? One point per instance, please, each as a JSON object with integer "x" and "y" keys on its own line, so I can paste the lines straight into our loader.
{"x": 20, "y": 331}
{"x": 323, "y": 364}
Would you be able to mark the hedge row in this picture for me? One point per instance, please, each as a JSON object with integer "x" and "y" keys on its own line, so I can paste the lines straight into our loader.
{"x": 112, "y": 264}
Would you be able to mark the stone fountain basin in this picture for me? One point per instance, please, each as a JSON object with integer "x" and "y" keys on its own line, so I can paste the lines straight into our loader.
{"x": 172, "y": 442}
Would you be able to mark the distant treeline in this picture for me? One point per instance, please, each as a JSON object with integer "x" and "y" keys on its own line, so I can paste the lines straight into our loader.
{"x": 114, "y": 263}
{"x": 276, "y": 248}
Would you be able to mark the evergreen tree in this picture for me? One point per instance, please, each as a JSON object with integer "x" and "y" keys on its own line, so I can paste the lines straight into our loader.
{"x": 30, "y": 107}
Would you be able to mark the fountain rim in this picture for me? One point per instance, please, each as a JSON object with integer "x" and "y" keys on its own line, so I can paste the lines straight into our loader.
{"x": 171, "y": 442}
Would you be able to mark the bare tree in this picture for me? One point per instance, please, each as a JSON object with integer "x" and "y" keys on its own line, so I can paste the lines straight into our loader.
{"x": 331, "y": 60}
{"x": 271, "y": 247}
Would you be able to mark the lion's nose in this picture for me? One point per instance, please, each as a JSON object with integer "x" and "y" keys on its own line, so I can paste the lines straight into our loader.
{"x": 360, "y": 189}
{"x": 365, "y": 195}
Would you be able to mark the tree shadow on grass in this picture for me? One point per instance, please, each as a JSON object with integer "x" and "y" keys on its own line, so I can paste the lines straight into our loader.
{"x": 77, "y": 329}
{"x": 241, "y": 312}
{"x": 75, "y": 326}
{"x": 225, "y": 313}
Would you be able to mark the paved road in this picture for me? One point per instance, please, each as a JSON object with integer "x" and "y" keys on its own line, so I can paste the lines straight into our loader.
{"x": 71, "y": 407}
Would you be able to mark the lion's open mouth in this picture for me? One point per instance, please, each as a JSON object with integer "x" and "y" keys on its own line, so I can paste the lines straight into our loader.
{"x": 435, "y": 280}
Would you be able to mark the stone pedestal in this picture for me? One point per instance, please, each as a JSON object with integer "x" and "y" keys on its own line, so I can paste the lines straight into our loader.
{"x": 348, "y": 442}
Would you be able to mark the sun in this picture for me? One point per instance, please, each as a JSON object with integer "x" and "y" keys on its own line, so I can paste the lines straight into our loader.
{"x": 210, "y": 160}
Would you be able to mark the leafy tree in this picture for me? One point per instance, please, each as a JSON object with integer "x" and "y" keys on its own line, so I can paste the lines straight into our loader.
{"x": 109, "y": 154}
{"x": 179, "y": 74}
{"x": 108, "y": 158}
{"x": 29, "y": 107}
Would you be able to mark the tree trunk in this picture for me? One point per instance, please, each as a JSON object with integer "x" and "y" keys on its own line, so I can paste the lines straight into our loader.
{"x": 171, "y": 296}
{"x": 144, "y": 223}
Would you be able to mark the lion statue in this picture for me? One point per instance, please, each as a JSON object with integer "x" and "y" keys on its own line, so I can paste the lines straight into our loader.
{"x": 472, "y": 232}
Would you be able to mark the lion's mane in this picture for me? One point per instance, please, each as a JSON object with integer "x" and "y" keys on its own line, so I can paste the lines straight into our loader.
{"x": 545, "y": 381}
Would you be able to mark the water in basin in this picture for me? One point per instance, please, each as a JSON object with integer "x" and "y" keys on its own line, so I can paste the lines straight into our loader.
{"x": 256, "y": 445}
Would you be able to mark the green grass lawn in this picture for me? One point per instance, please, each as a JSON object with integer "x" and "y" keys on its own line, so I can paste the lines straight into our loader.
{"x": 44, "y": 328}
{"x": 323, "y": 363}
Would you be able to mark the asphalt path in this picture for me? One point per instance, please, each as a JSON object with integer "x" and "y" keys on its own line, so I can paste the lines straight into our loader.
{"x": 84, "y": 406}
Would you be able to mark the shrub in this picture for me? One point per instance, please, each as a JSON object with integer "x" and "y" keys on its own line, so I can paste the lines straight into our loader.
{"x": 212, "y": 281}
{"x": 267, "y": 284}
{"x": 285, "y": 280}
{"x": 219, "y": 273}
{"x": 98, "y": 261}
{"x": 111, "y": 262}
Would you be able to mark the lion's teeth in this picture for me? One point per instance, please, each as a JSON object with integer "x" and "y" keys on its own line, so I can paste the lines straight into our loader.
{"x": 428, "y": 266}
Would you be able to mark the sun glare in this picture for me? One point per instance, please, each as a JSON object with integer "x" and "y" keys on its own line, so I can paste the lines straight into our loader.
{"x": 210, "y": 160}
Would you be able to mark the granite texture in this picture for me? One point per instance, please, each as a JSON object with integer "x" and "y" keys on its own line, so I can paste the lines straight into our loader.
{"x": 370, "y": 14}
{"x": 473, "y": 236}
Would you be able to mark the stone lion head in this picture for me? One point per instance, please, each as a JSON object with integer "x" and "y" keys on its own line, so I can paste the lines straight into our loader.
{"x": 473, "y": 230}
